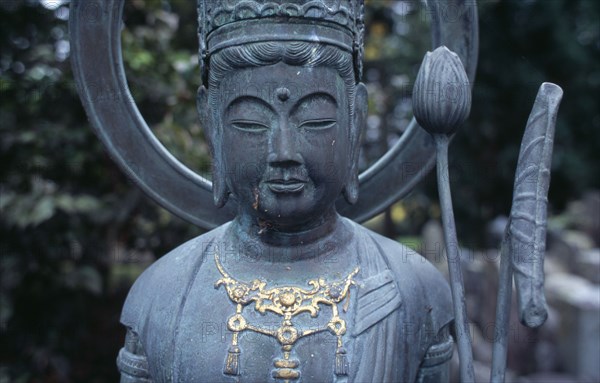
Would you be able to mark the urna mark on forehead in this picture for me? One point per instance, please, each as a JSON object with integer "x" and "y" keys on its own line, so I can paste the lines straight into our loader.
{"x": 282, "y": 93}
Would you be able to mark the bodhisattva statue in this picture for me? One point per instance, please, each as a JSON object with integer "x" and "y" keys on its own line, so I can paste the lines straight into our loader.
{"x": 289, "y": 289}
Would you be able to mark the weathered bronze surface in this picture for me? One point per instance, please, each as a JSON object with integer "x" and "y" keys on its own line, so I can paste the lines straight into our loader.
{"x": 289, "y": 289}
{"x": 284, "y": 108}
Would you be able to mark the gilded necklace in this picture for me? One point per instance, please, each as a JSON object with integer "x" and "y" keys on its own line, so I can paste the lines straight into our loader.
{"x": 286, "y": 302}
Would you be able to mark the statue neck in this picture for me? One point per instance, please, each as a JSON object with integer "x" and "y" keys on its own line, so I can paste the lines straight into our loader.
{"x": 258, "y": 241}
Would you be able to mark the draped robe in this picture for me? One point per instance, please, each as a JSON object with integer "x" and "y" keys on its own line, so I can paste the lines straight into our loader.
{"x": 177, "y": 332}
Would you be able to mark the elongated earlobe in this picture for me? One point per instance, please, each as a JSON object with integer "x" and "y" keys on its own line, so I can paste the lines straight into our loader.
{"x": 350, "y": 191}
{"x": 212, "y": 134}
{"x": 220, "y": 191}
{"x": 351, "y": 188}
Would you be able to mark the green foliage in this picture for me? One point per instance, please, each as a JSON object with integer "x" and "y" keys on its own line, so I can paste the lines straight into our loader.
{"x": 162, "y": 68}
{"x": 70, "y": 220}
{"x": 397, "y": 36}
{"x": 523, "y": 44}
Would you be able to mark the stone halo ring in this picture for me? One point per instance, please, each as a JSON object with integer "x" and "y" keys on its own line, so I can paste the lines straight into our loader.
{"x": 95, "y": 29}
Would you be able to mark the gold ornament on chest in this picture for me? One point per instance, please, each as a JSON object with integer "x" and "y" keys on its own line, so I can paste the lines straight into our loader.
{"x": 286, "y": 302}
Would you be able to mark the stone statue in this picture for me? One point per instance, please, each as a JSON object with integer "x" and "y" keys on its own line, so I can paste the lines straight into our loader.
{"x": 284, "y": 288}
{"x": 288, "y": 289}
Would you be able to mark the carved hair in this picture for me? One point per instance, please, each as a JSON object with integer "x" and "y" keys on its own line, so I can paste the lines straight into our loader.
{"x": 297, "y": 53}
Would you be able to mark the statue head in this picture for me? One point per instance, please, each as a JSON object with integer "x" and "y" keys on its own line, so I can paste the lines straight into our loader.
{"x": 283, "y": 105}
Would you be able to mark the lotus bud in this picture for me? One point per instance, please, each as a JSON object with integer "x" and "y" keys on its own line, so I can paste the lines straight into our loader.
{"x": 442, "y": 93}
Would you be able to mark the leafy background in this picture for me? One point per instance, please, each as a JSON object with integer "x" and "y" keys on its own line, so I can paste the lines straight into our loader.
{"x": 75, "y": 232}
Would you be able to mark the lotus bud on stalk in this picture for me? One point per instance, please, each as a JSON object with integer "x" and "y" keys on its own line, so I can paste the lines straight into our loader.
{"x": 441, "y": 103}
{"x": 442, "y": 94}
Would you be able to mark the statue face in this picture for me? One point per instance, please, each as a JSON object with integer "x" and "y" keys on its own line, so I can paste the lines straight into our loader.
{"x": 285, "y": 141}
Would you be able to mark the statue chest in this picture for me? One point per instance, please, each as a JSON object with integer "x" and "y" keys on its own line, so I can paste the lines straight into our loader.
{"x": 227, "y": 330}
{"x": 209, "y": 325}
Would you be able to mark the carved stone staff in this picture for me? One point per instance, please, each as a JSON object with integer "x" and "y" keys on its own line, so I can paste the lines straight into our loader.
{"x": 524, "y": 240}
{"x": 441, "y": 103}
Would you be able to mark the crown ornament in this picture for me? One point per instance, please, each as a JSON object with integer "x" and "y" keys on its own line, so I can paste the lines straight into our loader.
{"x": 228, "y": 23}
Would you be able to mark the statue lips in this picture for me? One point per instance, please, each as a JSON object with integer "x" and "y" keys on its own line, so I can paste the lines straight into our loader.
{"x": 291, "y": 185}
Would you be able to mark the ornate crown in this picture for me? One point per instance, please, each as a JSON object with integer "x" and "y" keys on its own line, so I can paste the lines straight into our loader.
{"x": 227, "y": 23}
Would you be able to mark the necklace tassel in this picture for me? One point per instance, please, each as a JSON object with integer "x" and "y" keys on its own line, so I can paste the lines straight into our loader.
{"x": 232, "y": 363}
{"x": 341, "y": 362}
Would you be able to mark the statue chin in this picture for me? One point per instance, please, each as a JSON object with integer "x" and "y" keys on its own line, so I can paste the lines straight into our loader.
{"x": 287, "y": 211}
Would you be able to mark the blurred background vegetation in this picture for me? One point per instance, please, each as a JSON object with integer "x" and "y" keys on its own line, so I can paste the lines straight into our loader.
{"x": 75, "y": 232}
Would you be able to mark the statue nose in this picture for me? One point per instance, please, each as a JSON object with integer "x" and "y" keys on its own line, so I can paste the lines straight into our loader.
{"x": 284, "y": 145}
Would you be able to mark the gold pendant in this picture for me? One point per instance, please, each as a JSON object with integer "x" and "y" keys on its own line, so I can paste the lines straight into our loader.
{"x": 287, "y": 302}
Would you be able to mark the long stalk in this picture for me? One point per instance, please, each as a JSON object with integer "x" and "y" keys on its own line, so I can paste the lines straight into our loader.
{"x": 461, "y": 324}
{"x": 503, "y": 304}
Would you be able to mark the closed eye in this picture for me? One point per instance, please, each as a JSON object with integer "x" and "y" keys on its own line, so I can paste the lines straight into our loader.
{"x": 318, "y": 124}
{"x": 249, "y": 126}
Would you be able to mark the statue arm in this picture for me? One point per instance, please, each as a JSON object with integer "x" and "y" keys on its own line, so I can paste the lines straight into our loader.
{"x": 132, "y": 362}
{"x": 435, "y": 366}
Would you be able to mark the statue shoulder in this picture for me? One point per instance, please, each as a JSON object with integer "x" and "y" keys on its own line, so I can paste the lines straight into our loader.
{"x": 163, "y": 282}
{"x": 420, "y": 283}
{"x": 406, "y": 257}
